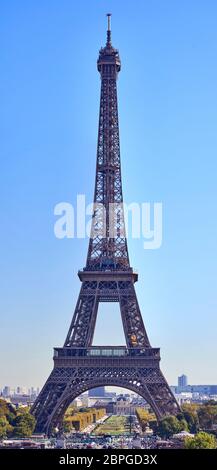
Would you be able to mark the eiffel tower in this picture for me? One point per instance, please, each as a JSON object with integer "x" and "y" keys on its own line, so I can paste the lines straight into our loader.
{"x": 107, "y": 277}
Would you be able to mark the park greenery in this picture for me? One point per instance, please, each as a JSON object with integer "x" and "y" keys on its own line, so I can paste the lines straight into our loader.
{"x": 202, "y": 440}
{"x": 194, "y": 418}
{"x": 114, "y": 425}
{"x": 78, "y": 420}
{"x": 15, "y": 422}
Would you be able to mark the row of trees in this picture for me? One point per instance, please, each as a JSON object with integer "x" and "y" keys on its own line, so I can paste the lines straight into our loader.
{"x": 193, "y": 418}
{"x": 15, "y": 423}
{"x": 144, "y": 417}
{"x": 79, "y": 420}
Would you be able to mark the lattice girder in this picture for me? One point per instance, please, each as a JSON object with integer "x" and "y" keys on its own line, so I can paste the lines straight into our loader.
{"x": 112, "y": 289}
{"x": 66, "y": 383}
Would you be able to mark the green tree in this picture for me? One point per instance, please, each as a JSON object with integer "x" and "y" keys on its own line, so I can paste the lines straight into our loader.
{"x": 3, "y": 408}
{"x": 5, "y": 428}
{"x": 6, "y": 409}
{"x": 24, "y": 425}
{"x": 202, "y": 440}
{"x": 207, "y": 415}
{"x": 7, "y": 415}
{"x": 192, "y": 420}
{"x": 171, "y": 425}
{"x": 67, "y": 426}
{"x": 144, "y": 417}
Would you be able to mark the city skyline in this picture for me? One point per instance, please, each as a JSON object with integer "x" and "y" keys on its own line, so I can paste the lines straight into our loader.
{"x": 178, "y": 301}
{"x": 36, "y": 388}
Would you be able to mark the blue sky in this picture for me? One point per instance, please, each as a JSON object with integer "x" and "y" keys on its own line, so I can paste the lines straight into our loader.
{"x": 168, "y": 125}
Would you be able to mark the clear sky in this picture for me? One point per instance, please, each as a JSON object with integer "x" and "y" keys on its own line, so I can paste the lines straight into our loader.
{"x": 168, "y": 125}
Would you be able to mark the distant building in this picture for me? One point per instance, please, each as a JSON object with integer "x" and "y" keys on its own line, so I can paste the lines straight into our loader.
{"x": 77, "y": 402}
{"x": 6, "y": 391}
{"x": 184, "y": 397}
{"x": 85, "y": 400}
{"x": 182, "y": 381}
{"x": 206, "y": 389}
{"x": 110, "y": 394}
{"x": 200, "y": 389}
{"x": 18, "y": 400}
{"x": 109, "y": 406}
{"x": 97, "y": 392}
{"x": 124, "y": 406}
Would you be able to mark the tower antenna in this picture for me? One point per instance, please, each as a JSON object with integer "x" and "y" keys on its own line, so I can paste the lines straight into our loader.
{"x": 109, "y": 29}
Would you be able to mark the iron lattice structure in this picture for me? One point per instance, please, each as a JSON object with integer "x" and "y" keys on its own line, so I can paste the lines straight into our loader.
{"x": 107, "y": 277}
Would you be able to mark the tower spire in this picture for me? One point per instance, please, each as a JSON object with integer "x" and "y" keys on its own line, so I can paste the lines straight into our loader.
{"x": 109, "y": 30}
